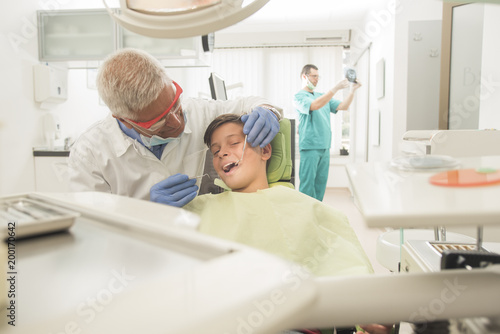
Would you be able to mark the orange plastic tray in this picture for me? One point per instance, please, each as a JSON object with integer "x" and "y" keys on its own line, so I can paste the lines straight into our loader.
{"x": 466, "y": 177}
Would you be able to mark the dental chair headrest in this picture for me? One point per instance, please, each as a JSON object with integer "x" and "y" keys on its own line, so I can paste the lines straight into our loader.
{"x": 279, "y": 170}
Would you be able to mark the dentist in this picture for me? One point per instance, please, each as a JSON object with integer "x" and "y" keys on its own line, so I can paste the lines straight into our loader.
{"x": 151, "y": 145}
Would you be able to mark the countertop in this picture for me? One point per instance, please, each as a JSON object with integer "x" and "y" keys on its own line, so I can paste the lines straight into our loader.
{"x": 50, "y": 152}
{"x": 388, "y": 197}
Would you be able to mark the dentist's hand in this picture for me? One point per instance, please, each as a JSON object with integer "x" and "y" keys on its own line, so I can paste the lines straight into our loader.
{"x": 176, "y": 190}
{"x": 261, "y": 125}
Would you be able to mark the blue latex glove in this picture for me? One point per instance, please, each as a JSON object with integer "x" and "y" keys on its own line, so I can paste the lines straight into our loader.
{"x": 261, "y": 125}
{"x": 176, "y": 190}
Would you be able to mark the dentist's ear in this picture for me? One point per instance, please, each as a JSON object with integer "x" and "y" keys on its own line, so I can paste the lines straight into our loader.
{"x": 266, "y": 152}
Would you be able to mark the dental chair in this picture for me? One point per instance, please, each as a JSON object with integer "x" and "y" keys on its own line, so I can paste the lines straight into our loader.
{"x": 280, "y": 168}
{"x": 163, "y": 278}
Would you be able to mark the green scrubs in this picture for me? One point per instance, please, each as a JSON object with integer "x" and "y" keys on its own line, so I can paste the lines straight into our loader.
{"x": 315, "y": 137}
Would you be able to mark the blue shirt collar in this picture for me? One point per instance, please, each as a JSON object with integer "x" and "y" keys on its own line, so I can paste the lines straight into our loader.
{"x": 132, "y": 133}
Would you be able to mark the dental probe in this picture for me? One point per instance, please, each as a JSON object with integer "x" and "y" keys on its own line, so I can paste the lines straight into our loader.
{"x": 200, "y": 176}
{"x": 242, "y": 153}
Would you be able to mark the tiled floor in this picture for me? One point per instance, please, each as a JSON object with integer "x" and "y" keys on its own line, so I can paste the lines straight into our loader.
{"x": 341, "y": 199}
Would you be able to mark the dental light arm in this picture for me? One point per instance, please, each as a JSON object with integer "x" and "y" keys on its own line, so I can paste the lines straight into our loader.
{"x": 181, "y": 24}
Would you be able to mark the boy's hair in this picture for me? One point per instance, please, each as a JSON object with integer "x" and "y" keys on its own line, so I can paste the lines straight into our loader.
{"x": 217, "y": 122}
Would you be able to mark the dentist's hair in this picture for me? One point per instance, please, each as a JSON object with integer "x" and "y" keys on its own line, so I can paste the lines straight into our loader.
{"x": 307, "y": 69}
{"x": 129, "y": 80}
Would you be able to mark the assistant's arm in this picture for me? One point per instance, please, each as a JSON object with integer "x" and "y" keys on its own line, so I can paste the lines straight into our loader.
{"x": 344, "y": 105}
{"x": 322, "y": 100}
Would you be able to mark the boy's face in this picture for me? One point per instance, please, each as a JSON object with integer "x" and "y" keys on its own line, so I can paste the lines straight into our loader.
{"x": 227, "y": 148}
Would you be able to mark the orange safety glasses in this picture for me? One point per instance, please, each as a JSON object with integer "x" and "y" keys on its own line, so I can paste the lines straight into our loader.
{"x": 161, "y": 120}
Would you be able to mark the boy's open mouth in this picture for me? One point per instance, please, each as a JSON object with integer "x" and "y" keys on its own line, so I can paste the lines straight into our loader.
{"x": 227, "y": 168}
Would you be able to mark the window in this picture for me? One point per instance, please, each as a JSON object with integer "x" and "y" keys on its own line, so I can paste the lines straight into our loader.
{"x": 274, "y": 73}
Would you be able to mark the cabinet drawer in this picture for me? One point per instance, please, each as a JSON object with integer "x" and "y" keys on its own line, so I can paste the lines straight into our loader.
{"x": 51, "y": 174}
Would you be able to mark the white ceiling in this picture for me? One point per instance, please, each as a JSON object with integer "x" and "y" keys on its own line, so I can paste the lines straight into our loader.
{"x": 310, "y": 14}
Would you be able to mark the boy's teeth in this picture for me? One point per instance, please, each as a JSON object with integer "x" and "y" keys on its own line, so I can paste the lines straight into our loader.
{"x": 228, "y": 167}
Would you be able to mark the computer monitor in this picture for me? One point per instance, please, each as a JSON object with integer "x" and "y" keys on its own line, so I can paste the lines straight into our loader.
{"x": 217, "y": 87}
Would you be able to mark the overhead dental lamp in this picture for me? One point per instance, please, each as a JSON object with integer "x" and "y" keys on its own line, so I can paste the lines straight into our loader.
{"x": 181, "y": 18}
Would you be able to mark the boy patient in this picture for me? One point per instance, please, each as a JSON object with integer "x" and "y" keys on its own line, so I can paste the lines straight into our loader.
{"x": 277, "y": 219}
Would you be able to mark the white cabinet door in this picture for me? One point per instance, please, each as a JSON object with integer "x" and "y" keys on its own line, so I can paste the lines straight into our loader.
{"x": 81, "y": 38}
{"x": 51, "y": 174}
{"x": 178, "y": 52}
{"x": 65, "y": 35}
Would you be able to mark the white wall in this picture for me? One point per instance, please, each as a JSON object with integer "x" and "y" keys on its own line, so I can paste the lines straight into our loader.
{"x": 82, "y": 107}
{"x": 409, "y": 10}
{"x": 424, "y": 63}
{"x": 465, "y": 67}
{"x": 377, "y": 34}
{"x": 19, "y": 117}
{"x": 380, "y": 135}
{"x": 489, "y": 116}
{"x": 387, "y": 31}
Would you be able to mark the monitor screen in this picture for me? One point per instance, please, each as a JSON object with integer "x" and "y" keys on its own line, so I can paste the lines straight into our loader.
{"x": 217, "y": 87}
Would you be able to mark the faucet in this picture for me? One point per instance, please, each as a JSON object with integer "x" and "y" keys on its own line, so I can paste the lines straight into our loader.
{"x": 67, "y": 144}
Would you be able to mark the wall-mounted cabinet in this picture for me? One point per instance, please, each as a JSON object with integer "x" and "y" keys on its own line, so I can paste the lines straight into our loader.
{"x": 81, "y": 38}
{"x": 179, "y": 52}
{"x": 75, "y": 35}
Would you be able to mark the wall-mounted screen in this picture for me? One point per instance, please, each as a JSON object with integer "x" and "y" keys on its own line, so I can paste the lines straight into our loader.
{"x": 217, "y": 87}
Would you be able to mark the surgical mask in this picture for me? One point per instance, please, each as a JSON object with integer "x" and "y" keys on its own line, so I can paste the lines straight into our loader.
{"x": 157, "y": 140}
{"x": 309, "y": 84}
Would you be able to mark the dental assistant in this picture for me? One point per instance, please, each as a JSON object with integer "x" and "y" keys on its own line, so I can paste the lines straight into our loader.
{"x": 315, "y": 133}
{"x": 151, "y": 145}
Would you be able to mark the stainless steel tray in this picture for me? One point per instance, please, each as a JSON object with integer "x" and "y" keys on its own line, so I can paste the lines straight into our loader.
{"x": 21, "y": 216}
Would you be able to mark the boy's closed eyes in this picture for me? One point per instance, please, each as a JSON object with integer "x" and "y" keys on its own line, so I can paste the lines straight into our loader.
{"x": 242, "y": 170}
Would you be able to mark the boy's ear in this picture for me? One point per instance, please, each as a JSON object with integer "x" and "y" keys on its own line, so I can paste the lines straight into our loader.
{"x": 266, "y": 152}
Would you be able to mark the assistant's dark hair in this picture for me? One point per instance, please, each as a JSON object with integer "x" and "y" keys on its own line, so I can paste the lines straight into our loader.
{"x": 307, "y": 68}
{"x": 216, "y": 123}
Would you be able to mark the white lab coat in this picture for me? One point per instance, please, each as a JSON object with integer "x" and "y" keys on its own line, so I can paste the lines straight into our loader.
{"x": 106, "y": 159}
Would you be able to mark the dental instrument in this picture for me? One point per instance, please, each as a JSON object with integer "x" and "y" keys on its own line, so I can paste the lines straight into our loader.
{"x": 201, "y": 176}
{"x": 242, "y": 153}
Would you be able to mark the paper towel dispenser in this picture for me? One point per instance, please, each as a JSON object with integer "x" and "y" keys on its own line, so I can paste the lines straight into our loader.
{"x": 51, "y": 84}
